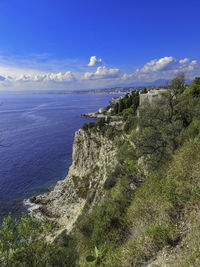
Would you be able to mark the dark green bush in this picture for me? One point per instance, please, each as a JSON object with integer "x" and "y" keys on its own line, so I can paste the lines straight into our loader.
{"x": 101, "y": 123}
{"x": 130, "y": 124}
{"x": 91, "y": 125}
{"x": 110, "y": 182}
{"x": 190, "y": 133}
{"x": 85, "y": 127}
{"x": 64, "y": 251}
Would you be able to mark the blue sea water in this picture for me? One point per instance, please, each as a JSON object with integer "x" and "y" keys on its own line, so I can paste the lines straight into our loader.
{"x": 36, "y": 138}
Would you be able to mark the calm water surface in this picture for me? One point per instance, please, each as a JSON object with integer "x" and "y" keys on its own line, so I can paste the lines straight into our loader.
{"x": 37, "y": 132}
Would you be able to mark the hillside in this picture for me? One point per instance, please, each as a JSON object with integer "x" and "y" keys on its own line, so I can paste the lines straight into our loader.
{"x": 132, "y": 194}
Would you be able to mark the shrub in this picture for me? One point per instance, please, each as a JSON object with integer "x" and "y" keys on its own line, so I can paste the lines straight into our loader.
{"x": 130, "y": 124}
{"x": 190, "y": 133}
{"x": 110, "y": 182}
{"x": 110, "y": 132}
{"x": 85, "y": 127}
{"x": 101, "y": 123}
{"x": 91, "y": 125}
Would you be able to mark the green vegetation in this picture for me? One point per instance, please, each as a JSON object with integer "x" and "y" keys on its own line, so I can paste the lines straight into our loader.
{"x": 151, "y": 198}
{"x": 127, "y": 105}
{"x": 82, "y": 185}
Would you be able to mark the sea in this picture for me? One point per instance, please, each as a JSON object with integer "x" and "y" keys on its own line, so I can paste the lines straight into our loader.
{"x": 36, "y": 138}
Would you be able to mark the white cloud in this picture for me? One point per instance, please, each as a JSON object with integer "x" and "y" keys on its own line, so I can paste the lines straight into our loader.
{"x": 60, "y": 77}
{"x": 102, "y": 73}
{"x": 165, "y": 67}
{"x": 183, "y": 61}
{"x": 53, "y": 75}
{"x": 161, "y": 64}
{"x": 94, "y": 60}
{"x": 32, "y": 77}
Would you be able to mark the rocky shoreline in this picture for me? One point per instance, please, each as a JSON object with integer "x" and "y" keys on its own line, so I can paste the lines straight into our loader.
{"x": 94, "y": 115}
{"x": 92, "y": 156}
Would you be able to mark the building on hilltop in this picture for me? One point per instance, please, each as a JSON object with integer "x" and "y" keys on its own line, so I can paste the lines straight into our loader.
{"x": 152, "y": 96}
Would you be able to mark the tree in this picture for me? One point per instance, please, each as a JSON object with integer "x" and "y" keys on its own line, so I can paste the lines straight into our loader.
{"x": 116, "y": 108}
{"x": 8, "y": 239}
{"x": 144, "y": 91}
{"x": 159, "y": 126}
{"x": 194, "y": 87}
{"x": 23, "y": 242}
{"x": 135, "y": 101}
{"x": 121, "y": 105}
{"x": 178, "y": 83}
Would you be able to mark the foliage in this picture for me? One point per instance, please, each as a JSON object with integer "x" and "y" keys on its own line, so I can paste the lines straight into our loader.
{"x": 106, "y": 222}
{"x": 130, "y": 224}
{"x": 64, "y": 251}
{"x": 91, "y": 125}
{"x": 111, "y": 180}
{"x": 178, "y": 83}
{"x": 85, "y": 127}
{"x": 194, "y": 88}
{"x": 156, "y": 210}
{"x": 127, "y": 104}
{"x": 130, "y": 124}
{"x": 192, "y": 132}
{"x": 22, "y": 243}
{"x": 95, "y": 260}
{"x": 161, "y": 124}
{"x": 144, "y": 91}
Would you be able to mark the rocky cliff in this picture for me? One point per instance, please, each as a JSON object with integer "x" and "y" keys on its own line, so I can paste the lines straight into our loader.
{"x": 93, "y": 156}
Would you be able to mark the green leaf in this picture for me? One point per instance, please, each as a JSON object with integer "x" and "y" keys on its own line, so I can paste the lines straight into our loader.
{"x": 96, "y": 251}
{"x": 90, "y": 258}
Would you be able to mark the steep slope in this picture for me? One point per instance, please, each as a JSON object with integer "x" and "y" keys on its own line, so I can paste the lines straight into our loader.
{"x": 132, "y": 195}
{"x": 93, "y": 156}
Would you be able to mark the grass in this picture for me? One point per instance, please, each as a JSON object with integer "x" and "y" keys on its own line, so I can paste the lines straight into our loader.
{"x": 129, "y": 227}
{"x": 156, "y": 210}
{"x": 131, "y": 233}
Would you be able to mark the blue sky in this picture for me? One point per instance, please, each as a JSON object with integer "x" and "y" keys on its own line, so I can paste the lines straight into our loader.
{"x": 48, "y": 44}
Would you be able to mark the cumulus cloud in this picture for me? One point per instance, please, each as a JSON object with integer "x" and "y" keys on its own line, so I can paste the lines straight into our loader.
{"x": 102, "y": 73}
{"x": 94, "y": 60}
{"x": 161, "y": 64}
{"x": 183, "y": 61}
{"x": 165, "y": 67}
{"x": 18, "y": 77}
{"x": 54, "y": 77}
{"x": 60, "y": 77}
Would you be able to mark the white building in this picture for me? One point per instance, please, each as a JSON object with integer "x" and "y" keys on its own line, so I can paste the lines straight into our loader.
{"x": 152, "y": 96}
{"x": 102, "y": 110}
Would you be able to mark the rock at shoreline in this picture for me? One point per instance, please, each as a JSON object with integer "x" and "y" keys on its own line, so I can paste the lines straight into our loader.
{"x": 93, "y": 155}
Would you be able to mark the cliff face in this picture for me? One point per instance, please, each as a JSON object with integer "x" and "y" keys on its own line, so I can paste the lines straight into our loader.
{"x": 132, "y": 213}
{"x": 93, "y": 156}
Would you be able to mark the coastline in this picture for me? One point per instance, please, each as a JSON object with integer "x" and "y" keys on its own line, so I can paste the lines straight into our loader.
{"x": 64, "y": 203}
{"x": 34, "y": 204}
{"x": 95, "y": 115}
{"x": 31, "y": 207}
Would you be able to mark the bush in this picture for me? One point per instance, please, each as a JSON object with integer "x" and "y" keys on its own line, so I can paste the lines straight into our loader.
{"x": 91, "y": 125}
{"x": 101, "y": 123}
{"x": 110, "y": 132}
{"x": 82, "y": 185}
{"x": 85, "y": 127}
{"x": 160, "y": 235}
{"x": 107, "y": 223}
{"x": 130, "y": 124}
{"x": 190, "y": 133}
{"x": 64, "y": 251}
{"x": 110, "y": 182}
